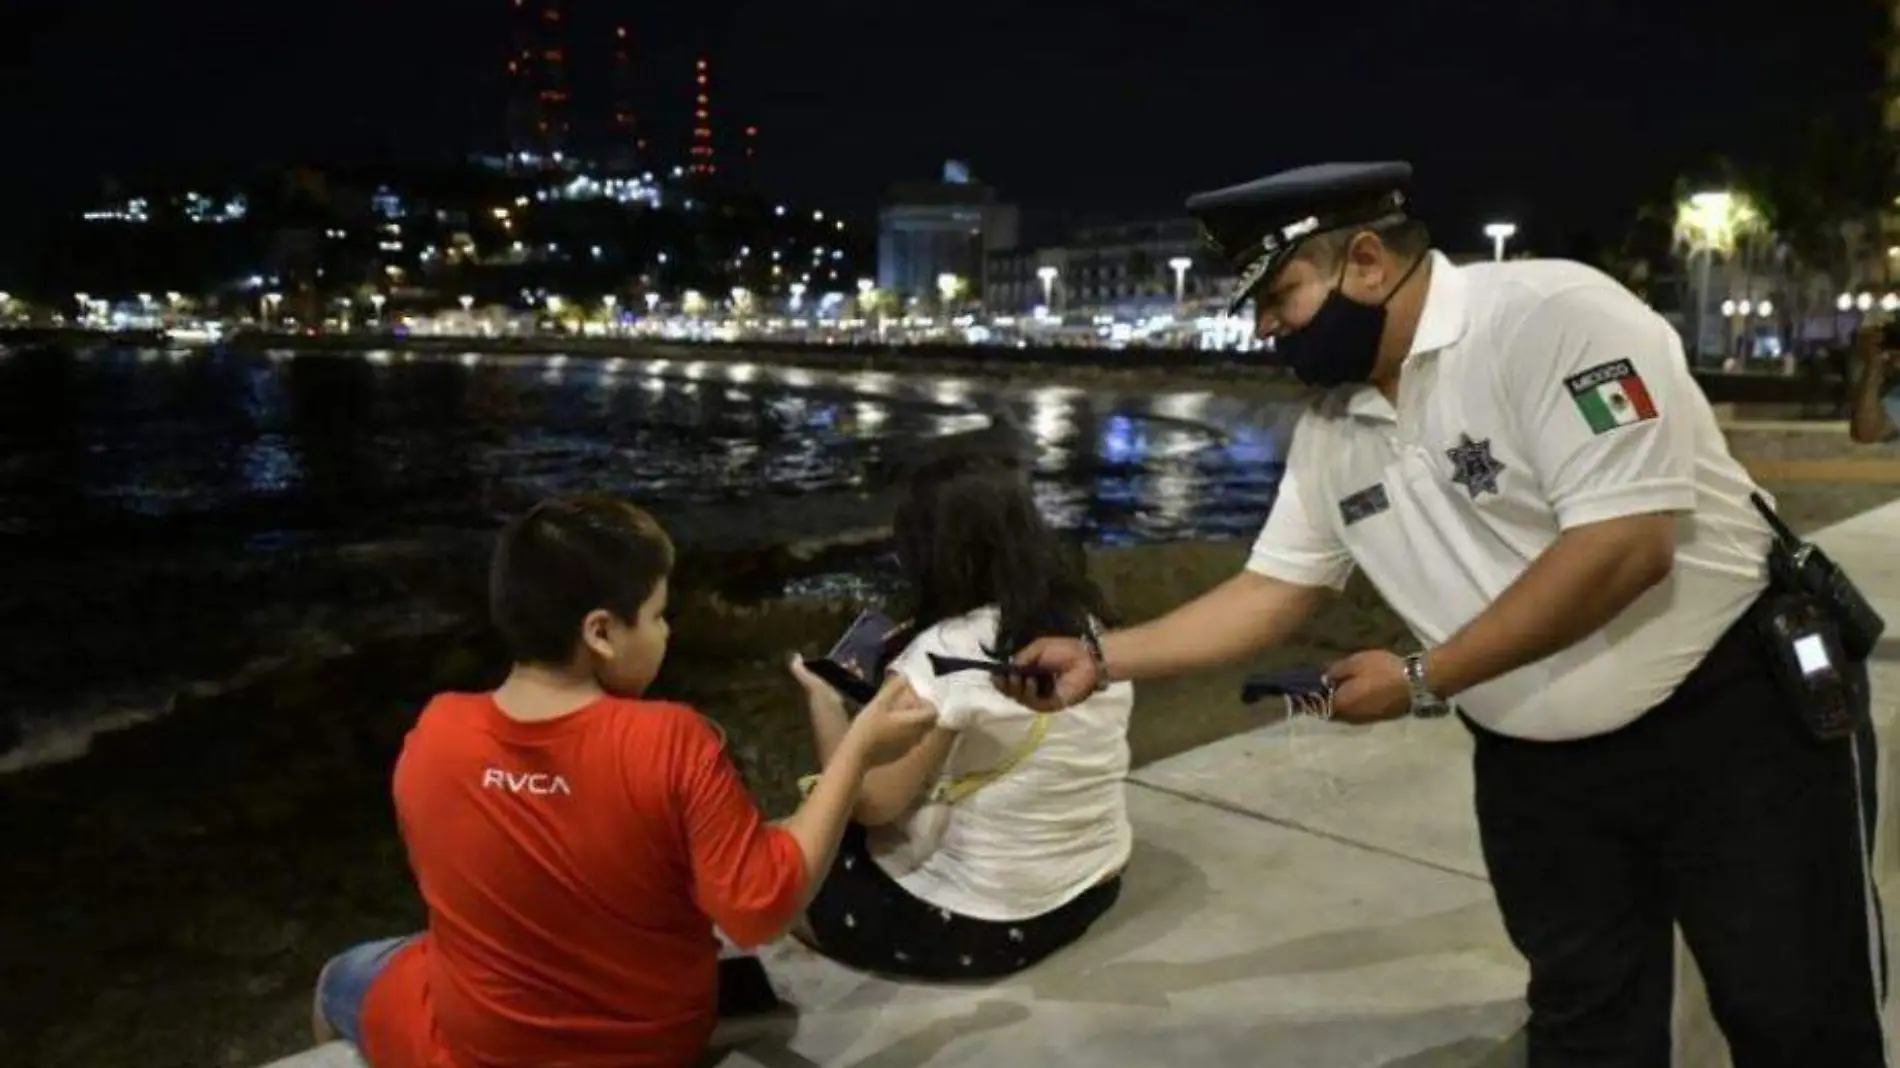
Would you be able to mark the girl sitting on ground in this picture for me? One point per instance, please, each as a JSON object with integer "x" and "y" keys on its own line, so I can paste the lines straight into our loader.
{"x": 1001, "y": 837}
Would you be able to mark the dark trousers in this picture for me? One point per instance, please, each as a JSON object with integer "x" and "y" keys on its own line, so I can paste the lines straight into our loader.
{"x": 1715, "y": 811}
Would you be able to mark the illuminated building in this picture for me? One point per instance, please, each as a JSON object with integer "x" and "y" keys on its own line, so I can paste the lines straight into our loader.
{"x": 927, "y": 230}
{"x": 701, "y": 161}
{"x": 1122, "y": 268}
{"x": 538, "y": 119}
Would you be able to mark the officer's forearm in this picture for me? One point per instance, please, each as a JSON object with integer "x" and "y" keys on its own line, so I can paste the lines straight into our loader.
{"x": 1584, "y": 579}
{"x": 1241, "y": 616}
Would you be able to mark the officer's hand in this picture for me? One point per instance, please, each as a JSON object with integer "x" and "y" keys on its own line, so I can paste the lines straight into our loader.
{"x": 1370, "y": 686}
{"x": 1067, "y": 660}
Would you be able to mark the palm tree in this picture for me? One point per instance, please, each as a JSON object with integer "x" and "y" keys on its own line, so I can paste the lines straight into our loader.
{"x": 1718, "y": 222}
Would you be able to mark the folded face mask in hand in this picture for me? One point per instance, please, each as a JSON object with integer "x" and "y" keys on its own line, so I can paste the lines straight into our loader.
{"x": 1294, "y": 682}
{"x": 1044, "y": 682}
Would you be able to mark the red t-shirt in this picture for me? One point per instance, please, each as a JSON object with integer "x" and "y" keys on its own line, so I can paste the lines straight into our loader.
{"x": 573, "y": 870}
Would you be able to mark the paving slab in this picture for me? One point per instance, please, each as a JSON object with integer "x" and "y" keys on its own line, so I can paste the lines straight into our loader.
{"x": 1235, "y": 942}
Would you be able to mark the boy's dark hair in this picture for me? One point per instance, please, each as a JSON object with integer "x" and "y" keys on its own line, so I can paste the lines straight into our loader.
{"x": 968, "y": 534}
{"x": 567, "y": 557}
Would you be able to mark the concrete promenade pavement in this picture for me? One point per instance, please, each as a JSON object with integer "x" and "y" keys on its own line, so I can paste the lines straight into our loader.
{"x": 1300, "y": 895}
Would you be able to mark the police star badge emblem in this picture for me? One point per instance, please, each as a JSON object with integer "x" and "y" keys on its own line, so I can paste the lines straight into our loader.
{"x": 1473, "y": 466}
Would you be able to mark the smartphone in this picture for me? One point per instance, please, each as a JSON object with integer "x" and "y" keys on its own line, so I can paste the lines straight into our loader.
{"x": 850, "y": 666}
{"x": 1044, "y": 682}
{"x": 1294, "y": 682}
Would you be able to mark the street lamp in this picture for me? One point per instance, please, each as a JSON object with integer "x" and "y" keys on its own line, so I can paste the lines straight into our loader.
{"x": 798, "y": 295}
{"x": 947, "y": 286}
{"x": 1048, "y": 276}
{"x": 1180, "y": 265}
{"x": 1499, "y": 233}
{"x": 653, "y": 301}
{"x": 377, "y": 300}
{"x": 467, "y": 302}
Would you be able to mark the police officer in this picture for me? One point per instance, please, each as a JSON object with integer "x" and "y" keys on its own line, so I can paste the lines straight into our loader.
{"x": 1518, "y": 458}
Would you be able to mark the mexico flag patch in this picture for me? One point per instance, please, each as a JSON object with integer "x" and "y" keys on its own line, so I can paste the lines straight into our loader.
{"x": 1611, "y": 395}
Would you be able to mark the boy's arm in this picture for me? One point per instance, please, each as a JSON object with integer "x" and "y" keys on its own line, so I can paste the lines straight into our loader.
{"x": 752, "y": 877}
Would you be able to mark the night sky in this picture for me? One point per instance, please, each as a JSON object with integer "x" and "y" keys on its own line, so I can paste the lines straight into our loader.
{"x": 1558, "y": 113}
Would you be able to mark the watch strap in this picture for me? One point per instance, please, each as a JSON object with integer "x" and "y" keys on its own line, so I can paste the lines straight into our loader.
{"x": 1425, "y": 703}
{"x": 1094, "y": 643}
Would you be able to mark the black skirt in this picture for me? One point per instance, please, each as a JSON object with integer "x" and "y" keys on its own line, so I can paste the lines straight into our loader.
{"x": 864, "y": 919}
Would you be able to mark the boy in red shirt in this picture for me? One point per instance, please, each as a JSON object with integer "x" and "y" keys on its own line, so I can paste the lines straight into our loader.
{"x": 576, "y": 845}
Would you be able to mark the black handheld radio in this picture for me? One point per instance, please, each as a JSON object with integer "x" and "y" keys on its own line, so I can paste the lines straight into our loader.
{"x": 1818, "y": 629}
{"x": 1796, "y": 566}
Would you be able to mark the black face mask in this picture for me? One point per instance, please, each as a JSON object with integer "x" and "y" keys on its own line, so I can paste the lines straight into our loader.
{"x": 1340, "y": 344}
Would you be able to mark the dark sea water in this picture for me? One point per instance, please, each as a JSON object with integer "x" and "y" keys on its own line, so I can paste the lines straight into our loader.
{"x": 170, "y": 517}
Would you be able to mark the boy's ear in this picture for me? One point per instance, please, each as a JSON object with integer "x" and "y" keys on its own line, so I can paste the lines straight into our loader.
{"x": 597, "y": 632}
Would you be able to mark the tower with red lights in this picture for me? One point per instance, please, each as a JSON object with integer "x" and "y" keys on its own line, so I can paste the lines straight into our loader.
{"x": 701, "y": 162}
{"x": 538, "y": 110}
{"x": 750, "y": 175}
{"x": 626, "y": 142}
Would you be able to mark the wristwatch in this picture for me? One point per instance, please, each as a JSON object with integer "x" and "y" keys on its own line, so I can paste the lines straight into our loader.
{"x": 1425, "y": 703}
{"x": 1094, "y": 643}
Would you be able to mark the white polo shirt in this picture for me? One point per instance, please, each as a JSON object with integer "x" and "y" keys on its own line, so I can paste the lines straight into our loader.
{"x": 1040, "y": 835}
{"x": 1538, "y": 396}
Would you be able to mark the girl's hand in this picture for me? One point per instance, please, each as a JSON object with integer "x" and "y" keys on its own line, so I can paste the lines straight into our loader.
{"x": 819, "y": 696}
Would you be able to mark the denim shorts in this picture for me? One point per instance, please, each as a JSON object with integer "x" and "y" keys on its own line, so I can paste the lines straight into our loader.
{"x": 344, "y": 982}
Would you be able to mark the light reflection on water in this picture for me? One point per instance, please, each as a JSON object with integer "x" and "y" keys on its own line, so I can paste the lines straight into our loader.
{"x": 321, "y": 441}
